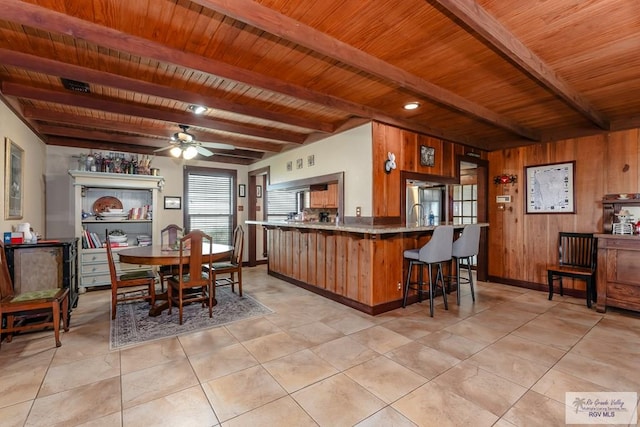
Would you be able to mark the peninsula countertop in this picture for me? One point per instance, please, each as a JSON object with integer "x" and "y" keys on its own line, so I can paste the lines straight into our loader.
{"x": 352, "y": 228}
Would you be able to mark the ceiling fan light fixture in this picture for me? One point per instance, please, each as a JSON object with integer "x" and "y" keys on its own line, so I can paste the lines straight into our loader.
{"x": 175, "y": 151}
{"x": 197, "y": 109}
{"x": 190, "y": 152}
{"x": 411, "y": 105}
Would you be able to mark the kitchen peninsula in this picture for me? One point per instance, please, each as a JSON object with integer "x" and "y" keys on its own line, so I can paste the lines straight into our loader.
{"x": 361, "y": 266}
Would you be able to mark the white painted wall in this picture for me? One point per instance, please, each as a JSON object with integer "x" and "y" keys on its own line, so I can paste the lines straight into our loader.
{"x": 33, "y": 185}
{"x": 350, "y": 152}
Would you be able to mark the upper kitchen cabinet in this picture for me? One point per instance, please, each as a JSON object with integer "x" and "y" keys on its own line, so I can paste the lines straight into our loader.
{"x": 324, "y": 196}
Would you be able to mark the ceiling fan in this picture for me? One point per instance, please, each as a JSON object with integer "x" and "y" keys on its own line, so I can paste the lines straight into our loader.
{"x": 184, "y": 144}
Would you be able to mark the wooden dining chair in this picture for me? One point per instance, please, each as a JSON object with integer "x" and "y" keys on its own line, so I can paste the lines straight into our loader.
{"x": 144, "y": 280}
{"x": 30, "y": 310}
{"x": 232, "y": 266}
{"x": 185, "y": 287}
{"x": 169, "y": 237}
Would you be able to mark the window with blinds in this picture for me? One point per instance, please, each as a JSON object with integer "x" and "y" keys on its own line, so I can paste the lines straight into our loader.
{"x": 280, "y": 204}
{"x": 210, "y": 202}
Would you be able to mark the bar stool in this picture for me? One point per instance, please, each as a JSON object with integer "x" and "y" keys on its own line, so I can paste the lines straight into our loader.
{"x": 435, "y": 251}
{"x": 465, "y": 248}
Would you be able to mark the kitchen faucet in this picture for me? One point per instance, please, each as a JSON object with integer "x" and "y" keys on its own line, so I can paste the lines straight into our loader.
{"x": 417, "y": 216}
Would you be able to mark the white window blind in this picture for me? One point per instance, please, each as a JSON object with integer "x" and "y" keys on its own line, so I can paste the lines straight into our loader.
{"x": 280, "y": 203}
{"x": 210, "y": 203}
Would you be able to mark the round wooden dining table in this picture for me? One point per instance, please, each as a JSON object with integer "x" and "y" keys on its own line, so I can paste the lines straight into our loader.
{"x": 162, "y": 255}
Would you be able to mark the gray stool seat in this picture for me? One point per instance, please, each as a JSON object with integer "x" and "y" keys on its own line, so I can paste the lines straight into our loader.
{"x": 435, "y": 251}
{"x": 464, "y": 249}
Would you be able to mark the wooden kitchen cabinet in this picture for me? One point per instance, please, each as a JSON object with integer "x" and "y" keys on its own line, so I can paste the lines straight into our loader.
{"x": 326, "y": 198}
{"x": 331, "y": 198}
{"x": 317, "y": 199}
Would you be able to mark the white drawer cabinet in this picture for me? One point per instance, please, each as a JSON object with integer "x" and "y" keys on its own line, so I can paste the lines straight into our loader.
{"x": 94, "y": 267}
{"x": 133, "y": 191}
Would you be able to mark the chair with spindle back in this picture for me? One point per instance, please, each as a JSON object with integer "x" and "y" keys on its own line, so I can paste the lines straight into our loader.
{"x": 577, "y": 256}
{"x": 169, "y": 237}
{"x": 122, "y": 285}
{"x": 191, "y": 284}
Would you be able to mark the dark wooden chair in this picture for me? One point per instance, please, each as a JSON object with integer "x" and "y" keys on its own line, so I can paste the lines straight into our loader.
{"x": 169, "y": 237}
{"x": 30, "y": 310}
{"x": 577, "y": 256}
{"x": 185, "y": 288}
{"x": 233, "y": 266}
{"x": 136, "y": 279}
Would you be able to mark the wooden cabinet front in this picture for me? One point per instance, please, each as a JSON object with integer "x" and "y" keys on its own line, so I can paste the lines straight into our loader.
{"x": 332, "y": 196}
{"x": 327, "y": 198}
{"x": 356, "y": 269}
{"x": 317, "y": 199}
{"x": 618, "y": 272}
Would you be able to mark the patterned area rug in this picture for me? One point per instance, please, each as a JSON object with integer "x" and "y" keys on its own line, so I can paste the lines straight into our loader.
{"x": 133, "y": 325}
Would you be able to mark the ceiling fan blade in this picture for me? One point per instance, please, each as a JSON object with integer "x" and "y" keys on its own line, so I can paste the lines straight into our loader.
{"x": 218, "y": 145}
{"x": 203, "y": 151}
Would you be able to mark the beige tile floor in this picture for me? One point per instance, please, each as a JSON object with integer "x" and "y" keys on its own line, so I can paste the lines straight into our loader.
{"x": 506, "y": 360}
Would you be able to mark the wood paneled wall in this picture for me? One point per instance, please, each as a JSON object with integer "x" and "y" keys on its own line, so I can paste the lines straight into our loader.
{"x": 388, "y": 188}
{"x": 521, "y": 245}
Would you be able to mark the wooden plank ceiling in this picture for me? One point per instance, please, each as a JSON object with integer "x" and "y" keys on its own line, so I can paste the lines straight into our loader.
{"x": 275, "y": 74}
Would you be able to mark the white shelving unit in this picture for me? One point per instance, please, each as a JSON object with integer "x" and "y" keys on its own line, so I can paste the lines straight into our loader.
{"x": 134, "y": 191}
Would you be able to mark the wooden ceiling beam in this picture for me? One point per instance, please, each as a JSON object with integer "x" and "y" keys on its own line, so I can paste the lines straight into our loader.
{"x": 98, "y": 135}
{"x": 84, "y": 74}
{"x": 45, "y": 19}
{"x": 119, "y": 107}
{"x": 91, "y": 144}
{"x": 95, "y": 145}
{"x": 155, "y": 143}
{"x": 91, "y": 122}
{"x": 505, "y": 42}
{"x": 269, "y": 20}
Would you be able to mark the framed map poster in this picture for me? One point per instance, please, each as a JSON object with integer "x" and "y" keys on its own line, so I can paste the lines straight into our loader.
{"x": 550, "y": 188}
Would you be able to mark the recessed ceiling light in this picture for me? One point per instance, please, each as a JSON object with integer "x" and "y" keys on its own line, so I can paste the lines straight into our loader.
{"x": 197, "y": 109}
{"x": 411, "y": 105}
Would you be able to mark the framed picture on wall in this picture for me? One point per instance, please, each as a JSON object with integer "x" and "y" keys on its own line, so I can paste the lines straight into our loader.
{"x": 242, "y": 190}
{"x": 427, "y": 156}
{"x": 172, "y": 202}
{"x": 550, "y": 188}
{"x": 258, "y": 191}
{"x": 13, "y": 180}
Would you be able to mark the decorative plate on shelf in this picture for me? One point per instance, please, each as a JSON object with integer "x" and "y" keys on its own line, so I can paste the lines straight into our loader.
{"x": 105, "y": 203}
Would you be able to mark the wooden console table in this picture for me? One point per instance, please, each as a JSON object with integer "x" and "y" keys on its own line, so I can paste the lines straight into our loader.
{"x": 618, "y": 281}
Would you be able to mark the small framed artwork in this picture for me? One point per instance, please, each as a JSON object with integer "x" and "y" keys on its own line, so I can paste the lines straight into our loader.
{"x": 259, "y": 191}
{"x": 427, "y": 156}
{"x": 311, "y": 160}
{"x": 299, "y": 164}
{"x": 242, "y": 190}
{"x": 550, "y": 188}
{"x": 289, "y": 166}
{"x": 13, "y": 180}
{"x": 172, "y": 202}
